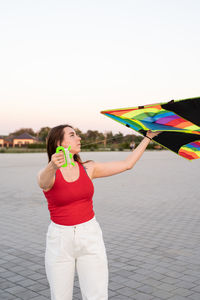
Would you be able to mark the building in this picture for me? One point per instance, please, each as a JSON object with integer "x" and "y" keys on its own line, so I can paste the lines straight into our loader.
{"x": 1, "y": 141}
{"x": 21, "y": 140}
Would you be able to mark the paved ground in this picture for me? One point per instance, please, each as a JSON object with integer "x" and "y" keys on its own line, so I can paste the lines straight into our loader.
{"x": 149, "y": 216}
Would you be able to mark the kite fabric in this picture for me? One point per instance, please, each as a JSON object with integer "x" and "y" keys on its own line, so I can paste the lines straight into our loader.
{"x": 178, "y": 121}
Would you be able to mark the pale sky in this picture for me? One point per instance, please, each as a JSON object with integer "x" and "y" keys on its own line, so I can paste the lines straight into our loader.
{"x": 62, "y": 62}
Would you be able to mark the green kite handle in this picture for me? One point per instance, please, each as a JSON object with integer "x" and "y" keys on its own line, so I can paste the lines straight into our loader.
{"x": 68, "y": 156}
{"x": 63, "y": 150}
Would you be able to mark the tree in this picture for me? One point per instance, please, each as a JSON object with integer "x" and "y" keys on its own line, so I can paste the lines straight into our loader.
{"x": 79, "y": 132}
{"x": 118, "y": 137}
{"x": 42, "y": 133}
{"x": 92, "y": 135}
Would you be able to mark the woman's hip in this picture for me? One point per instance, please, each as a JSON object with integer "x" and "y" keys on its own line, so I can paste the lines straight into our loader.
{"x": 77, "y": 240}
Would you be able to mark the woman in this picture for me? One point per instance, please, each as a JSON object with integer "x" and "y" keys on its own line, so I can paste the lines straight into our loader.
{"x": 74, "y": 237}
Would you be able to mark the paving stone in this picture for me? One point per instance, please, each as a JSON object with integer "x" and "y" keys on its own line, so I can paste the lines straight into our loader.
{"x": 119, "y": 279}
{"x": 183, "y": 292}
{"x": 6, "y": 274}
{"x": 192, "y": 272}
{"x": 26, "y": 272}
{"x": 40, "y": 298}
{"x": 171, "y": 280}
{"x": 132, "y": 283}
{"x": 120, "y": 297}
{"x": 152, "y": 282}
{"x": 110, "y": 294}
{"x": 16, "y": 278}
{"x": 16, "y": 289}
{"x": 174, "y": 274}
{"x": 37, "y": 287}
{"x": 176, "y": 297}
{"x": 148, "y": 289}
{"x": 8, "y": 265}
{"x": 194, "y": 296}
{"x": 26, "y": 282}
{"x": 162, "y": 294}
{"x": 186, "y": 284}
{"x": 197, "y": 282}
{"x": 6, "y": 284}
{"x": 124, "y": 273}
{"x": 44, "y": 281}
{"x": 138, "y": 277}
{"x": 141, "y": 296}
{"x": 167, "y": 287}
{"x": 6, "y": 296}
{"x": 196, "y": 289}
{"x": 115, "y": 285}
{"x": 18, "y": 269}
{"x": 189, "y": 278}
{"x": 126, "y": 291}
{"x": 36, "y": 276}
{"x": 26, "y": 295}
{"x": 156, "y": 276}
{"x": 45, "y": 293}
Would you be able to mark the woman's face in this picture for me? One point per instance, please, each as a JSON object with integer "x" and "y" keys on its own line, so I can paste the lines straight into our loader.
{"x": 71, "y": 139}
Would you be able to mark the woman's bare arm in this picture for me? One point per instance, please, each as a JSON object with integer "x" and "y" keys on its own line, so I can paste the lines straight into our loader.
{"x": 116, "y": 167}
{"x": 46, "y": 177}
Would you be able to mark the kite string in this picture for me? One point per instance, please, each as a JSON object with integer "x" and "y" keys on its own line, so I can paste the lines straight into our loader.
{"x": 101, "y": 141}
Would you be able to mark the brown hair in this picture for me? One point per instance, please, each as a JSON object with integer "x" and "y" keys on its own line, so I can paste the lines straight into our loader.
{"x": 55, "y": 135}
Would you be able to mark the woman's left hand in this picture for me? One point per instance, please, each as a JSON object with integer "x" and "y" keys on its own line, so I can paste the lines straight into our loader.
{"x": 151, "y": 134}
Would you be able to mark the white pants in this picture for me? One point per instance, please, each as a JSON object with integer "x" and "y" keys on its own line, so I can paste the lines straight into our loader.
{"x": 79, "y": 246}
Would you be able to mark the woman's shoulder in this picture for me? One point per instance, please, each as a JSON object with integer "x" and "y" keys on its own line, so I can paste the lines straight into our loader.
{"x": 89, "y": 167}
{"x": 88, "y": 164}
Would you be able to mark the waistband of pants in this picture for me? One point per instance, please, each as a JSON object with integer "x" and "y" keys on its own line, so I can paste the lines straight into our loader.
{"x": 72, "y": 226}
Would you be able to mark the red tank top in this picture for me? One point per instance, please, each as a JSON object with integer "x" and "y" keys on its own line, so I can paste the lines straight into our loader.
{"x": 70, "y": 203}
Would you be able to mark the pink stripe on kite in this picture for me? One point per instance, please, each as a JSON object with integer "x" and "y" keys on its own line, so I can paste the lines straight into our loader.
{"x": 195, "y": 144}
{"x": 165, "y": 120}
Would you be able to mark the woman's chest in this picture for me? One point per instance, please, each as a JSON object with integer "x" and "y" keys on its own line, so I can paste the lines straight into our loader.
{"x": 69, "y": 193}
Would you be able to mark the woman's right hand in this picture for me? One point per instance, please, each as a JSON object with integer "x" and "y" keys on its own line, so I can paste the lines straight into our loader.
{"x": 57, "y": 160}
{"x": 152, "y": 134}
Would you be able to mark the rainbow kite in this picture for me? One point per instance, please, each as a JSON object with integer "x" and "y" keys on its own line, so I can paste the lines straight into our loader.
{"x": 178, "y": 120}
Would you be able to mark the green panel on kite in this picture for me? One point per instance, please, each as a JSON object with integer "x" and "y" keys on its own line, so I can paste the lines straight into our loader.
{"x": 178, "y": 121}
